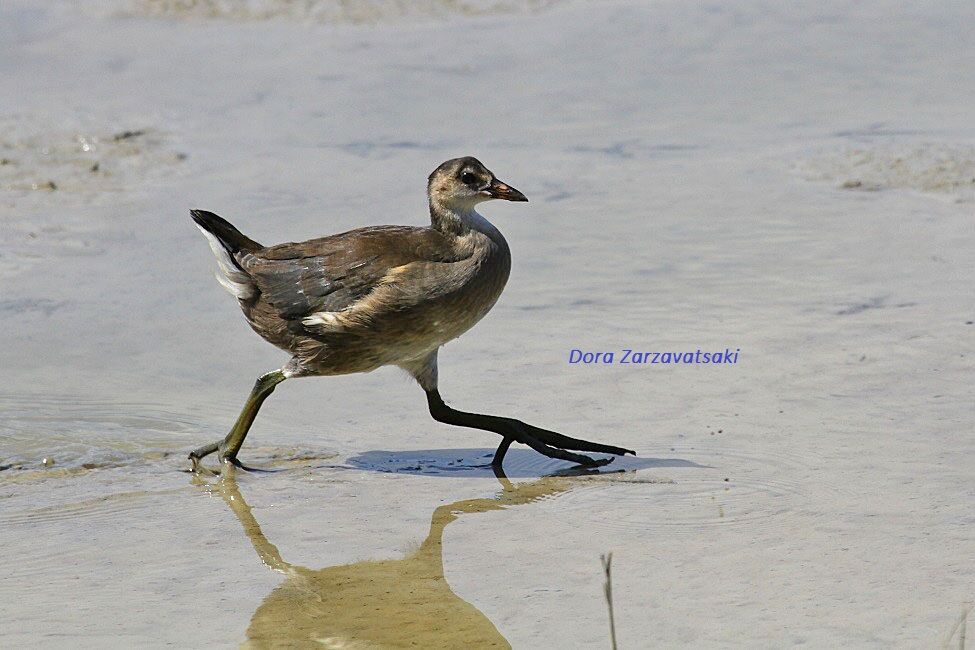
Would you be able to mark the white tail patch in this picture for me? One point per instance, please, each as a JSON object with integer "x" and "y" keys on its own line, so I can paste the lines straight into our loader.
{"x": 229, "y": 276}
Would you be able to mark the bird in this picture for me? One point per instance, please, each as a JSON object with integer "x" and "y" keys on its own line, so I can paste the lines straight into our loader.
{"x": 381, "y": 296}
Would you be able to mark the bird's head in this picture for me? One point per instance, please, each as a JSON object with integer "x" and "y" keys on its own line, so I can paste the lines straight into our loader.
{"x": 459, "y": 184}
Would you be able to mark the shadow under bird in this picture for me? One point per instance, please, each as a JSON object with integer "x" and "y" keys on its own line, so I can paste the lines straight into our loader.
{"x": 379, "y": 296}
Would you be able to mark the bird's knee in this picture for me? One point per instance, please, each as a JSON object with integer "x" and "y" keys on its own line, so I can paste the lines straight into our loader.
{"x": 269, "y": 380}
{"x": 438, "y": 409}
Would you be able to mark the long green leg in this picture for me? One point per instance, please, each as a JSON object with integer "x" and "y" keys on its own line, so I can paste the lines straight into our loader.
{"x": 230, "y": 445}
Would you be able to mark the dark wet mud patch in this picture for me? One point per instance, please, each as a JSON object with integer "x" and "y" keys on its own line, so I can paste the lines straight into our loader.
{"x": 877, "y": 302}
{"x": 382, "y": 149}
{"x": 18, "y": 306}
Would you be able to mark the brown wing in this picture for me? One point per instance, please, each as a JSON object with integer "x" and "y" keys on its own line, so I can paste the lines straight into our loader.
{"x": 333, "y": 273}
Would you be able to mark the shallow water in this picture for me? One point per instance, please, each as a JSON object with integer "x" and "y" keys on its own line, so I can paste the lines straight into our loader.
{"x": 377, "y": 603}
{"x": 790, "y": 181}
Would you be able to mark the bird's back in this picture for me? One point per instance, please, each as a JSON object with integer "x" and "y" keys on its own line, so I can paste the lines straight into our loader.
{"x": 368, "y": 297}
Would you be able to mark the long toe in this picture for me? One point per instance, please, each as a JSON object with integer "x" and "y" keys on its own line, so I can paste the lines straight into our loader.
{"x": 555, "y": 439}
{"x": 555, "y": 452}
{"x": 565, "y": 442}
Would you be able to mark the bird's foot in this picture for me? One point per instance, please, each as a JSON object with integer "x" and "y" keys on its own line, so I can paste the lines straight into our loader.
{"x": 560, "y": 441}
{"x": 227, "y": 459}
{"x": 200, "y": 453}
{"x": 552, "y": 451}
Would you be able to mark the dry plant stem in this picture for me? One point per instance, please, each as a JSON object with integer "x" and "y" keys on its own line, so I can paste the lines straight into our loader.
{"x": 607, "y": 561}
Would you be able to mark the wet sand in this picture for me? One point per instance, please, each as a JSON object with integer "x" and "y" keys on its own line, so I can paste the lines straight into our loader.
{"x": 790, "y": 181}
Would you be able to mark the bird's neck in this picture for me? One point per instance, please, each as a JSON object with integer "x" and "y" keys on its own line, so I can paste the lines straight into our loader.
{"x": 462, "y": 221}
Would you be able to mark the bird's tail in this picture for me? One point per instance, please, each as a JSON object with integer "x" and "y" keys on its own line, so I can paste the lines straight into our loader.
{"x": 232, "y": 240}
{"x": 227, "y": 244}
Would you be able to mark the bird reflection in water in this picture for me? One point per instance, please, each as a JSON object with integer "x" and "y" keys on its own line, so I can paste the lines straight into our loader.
{"x": 376, "y": 604}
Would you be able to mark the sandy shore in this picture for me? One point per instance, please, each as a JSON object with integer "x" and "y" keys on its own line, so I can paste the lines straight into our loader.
{"x": 797, "y": 183}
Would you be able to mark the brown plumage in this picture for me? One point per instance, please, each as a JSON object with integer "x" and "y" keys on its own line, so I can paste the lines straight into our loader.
{"x": 376, "y": 296}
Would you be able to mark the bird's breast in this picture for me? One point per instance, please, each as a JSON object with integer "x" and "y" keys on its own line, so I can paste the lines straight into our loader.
{"x": 477, "y": 287}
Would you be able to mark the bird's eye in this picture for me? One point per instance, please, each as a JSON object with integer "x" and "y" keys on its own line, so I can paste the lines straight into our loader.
{"x": 468, "y": 178}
